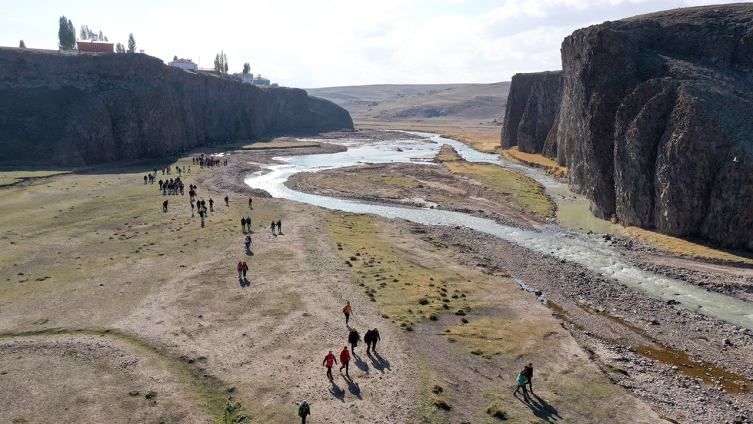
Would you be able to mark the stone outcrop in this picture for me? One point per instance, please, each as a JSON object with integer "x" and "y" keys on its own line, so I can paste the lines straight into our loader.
{"x": 655, "y": 121}
{"x": 531, "y": 112}
{"x": 77, "y": 109}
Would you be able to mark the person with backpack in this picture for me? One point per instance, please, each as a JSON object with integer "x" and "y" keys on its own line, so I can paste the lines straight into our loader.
{"x": 303, "y": 411}
{"x": 344, "y": 360}
{"x": 521, "y": 380}
{"x": 329, "y": 360}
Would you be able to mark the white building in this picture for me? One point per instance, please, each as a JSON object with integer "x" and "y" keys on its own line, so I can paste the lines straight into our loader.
{"x": 184, "y": 64}
{"x": 247, "y": 78}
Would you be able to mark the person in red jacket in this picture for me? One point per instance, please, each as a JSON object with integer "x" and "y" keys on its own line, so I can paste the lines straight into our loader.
{"x": 344, "y": 360}
{"x": 240, "y": 270}
{"x": 329, "y": 360}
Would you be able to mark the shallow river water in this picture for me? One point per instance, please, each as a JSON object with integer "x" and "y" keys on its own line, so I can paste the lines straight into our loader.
{"x": 588, "y": 250}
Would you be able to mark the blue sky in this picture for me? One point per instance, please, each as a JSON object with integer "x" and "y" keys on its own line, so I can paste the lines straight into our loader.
{"x": 338, "y": 42}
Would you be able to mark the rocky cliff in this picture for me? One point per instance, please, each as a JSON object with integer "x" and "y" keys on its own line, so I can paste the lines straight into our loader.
{"x": 655, "y": 121}
{"x": 80, "y": 109}
{"x": 531, "y": 112}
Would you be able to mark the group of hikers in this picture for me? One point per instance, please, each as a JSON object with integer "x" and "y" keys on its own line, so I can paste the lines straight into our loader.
{"x": 209, "y": 162}
{"x": 171, "y": 187}
{"x": 370, "y": 338}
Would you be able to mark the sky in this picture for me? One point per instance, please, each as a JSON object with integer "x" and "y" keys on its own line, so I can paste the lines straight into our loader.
{"x": 337, "y": 42}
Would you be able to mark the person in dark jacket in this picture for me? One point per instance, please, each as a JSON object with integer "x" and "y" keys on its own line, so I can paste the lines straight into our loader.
{"x": 303, "y": 411}
{"x": 329, "y": 360}
{"x": 374, "y": 339}
{"x": 353, "y": 339}
{"x": 528, "y": 374}
{"x": 243, "y": 224}
{"x": 367, "y": 339}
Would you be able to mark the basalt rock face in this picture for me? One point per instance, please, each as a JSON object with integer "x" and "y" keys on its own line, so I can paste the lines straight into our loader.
{"x": 655, "y": 121}
{"x": 531, "y": 111}
{"x": 92, "y": 108}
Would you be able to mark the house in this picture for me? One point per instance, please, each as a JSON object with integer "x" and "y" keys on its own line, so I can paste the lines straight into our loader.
{"x": 184, "y": 64}
{"x": 247, "y": 78}
{"x": 259, "y": 80}
{"x": 95, "y": 46}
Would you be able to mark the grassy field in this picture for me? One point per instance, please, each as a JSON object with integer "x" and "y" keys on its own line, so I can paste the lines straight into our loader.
{"x": 526, "y": 191}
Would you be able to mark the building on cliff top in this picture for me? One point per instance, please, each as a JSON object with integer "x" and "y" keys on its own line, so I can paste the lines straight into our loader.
{"x": 184, "y": 64}
{"x": 247, "y": 78}
{"x": 95, "y": 46}
{"x": 259, "y": 80}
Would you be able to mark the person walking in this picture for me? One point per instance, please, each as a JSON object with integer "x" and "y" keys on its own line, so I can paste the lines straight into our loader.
{"x": 240, "y": 270}
{"x": 243, "y": 224}
{"x": 248, "y": 224}
{"x": 279, "y": 227}
{"x": 211, "y": 205}
{"x": 374, "y": 339}
{"x": 250, "y": 200}
{"x": 347, "y": 310}
{"x": 367, "y": 340}
{"x": 344, "y": 360}
{"x": 521, "y": 380}
{"x": 192, "y": 208}
{"x": 245, "y": 269}
{"x": 353, "y": 339}
{"x": 329, "y": 360}
{"x": 247, "y": 243}
{"x": 303, "y": 411}
{"x": 273, "y": 228}
{"x": 227, "y": 201}
{"x": 528, "y": 374}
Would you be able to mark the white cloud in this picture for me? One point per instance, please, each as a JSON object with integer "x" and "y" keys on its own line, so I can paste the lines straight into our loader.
{"x": 339, "y": 42}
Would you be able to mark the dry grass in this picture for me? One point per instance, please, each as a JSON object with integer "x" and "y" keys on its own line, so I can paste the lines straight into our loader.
{"x": 527, "y": 192}
{"x": 537, "y": 161}
{"x": 485, "y": 142}
{"x": 277, "y": 144}
{"x": 688, "y": 248}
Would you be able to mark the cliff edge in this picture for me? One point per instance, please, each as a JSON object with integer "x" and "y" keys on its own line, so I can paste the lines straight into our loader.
{"x": 655, "y": 121}
{"x": 77, "y": 109}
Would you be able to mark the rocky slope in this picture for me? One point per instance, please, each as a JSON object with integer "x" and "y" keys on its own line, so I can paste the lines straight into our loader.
{"x": 77, "y": 109}
{"x": 654, "y": 121}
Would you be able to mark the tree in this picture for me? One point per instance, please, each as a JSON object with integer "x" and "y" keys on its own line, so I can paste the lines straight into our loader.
{"x": 83, "y": 35}
{"x": 66, "y": 34}
{"x": 101, "y": 36}
{"x": 131, "y": 43}
{"x": 175, "y": 57}
{"x": 106, "y": 39}
{"x": 22, "y": 44}
{"x": 246, "y": 69}
{"x": 220, "y": 63}
{"x": 120, "y": 48}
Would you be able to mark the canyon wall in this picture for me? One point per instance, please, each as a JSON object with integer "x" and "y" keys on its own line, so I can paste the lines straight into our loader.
{"x": 531, "y": 112}
{"x": 77, "y": 109}
{"x": 655, "y": 121}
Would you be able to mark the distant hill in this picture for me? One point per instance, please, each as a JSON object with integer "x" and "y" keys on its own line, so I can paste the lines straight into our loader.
{"x": 428, "y": 104}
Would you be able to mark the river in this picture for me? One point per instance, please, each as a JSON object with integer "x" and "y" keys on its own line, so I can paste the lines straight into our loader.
{"x": 571, "y": 244}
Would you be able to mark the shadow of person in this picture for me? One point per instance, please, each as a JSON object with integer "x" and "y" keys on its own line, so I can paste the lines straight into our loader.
{"x": 353, "y": 388}
{"x": 245, "y": 282}
{"x": 249, "y": 253}
{"x": 360, "y": 364}
{"x": 337, "y": 392}
{"x": 542, "y": 409}
{"x": 379, "y": 362}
